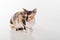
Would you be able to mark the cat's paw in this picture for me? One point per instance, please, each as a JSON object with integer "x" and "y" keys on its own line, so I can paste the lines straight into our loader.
{"x": 31, "y": 30}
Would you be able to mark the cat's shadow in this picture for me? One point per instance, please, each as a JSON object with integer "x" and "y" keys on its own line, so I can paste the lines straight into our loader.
{"x": 19, "y": 35}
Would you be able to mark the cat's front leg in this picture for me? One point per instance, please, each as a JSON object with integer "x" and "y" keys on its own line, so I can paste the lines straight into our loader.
{"x": 31, "y": 29}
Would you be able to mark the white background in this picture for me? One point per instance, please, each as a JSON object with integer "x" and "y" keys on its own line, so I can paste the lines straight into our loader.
{"x": 47, "y": 25}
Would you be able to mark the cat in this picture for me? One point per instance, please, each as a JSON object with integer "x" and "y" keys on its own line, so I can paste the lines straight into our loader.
{"x": 19, "y": 19}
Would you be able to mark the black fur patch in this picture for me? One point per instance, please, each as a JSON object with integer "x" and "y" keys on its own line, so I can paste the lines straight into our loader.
{"x": 23, "y": 16}
{"x": 27, "y": 18}
{"x": 29, "y": 12}
{"x": 24, "y": 27}
{"x": 19, "y": 29}
{"x": 24, "y": 22}
{"x": 11, "y": 22}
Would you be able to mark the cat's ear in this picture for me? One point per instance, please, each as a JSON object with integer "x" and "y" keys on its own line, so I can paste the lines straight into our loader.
{"x": 24, "y": 9}
{"x": 34, "y": 10}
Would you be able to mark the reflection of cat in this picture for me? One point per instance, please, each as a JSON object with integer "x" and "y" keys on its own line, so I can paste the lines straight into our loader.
{"x": 18, "y": 21}
{"x": 19, "y": 35}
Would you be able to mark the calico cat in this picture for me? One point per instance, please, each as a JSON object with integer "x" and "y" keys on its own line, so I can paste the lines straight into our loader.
{"x": 19, "y": 19}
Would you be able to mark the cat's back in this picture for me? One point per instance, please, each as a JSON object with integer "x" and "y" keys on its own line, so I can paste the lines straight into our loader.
{"x": 17, "y": 14}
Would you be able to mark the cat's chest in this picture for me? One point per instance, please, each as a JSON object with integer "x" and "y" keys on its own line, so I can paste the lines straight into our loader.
{"x": 31, "y": 23}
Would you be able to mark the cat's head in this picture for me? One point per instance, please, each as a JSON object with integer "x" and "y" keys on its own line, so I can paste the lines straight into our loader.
{"x": 30, "y": 14}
